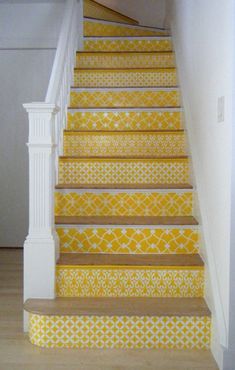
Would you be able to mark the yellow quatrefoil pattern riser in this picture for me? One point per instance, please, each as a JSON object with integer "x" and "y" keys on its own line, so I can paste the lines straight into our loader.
{"x": 123, "y": 204}
{"x": 125, "y": 60}
{"x": 128, "y": 240}
{"x": 164, "y": 171}
{"x": 128, "y": 45}
{"x": 137, "y": 120}
{"x": 105, "y": 29}
{"x": 122, "y": 78}
{"x": 124, "y": 98}
{"x": 120, "y": 332}
{"x": 110, "y": 281}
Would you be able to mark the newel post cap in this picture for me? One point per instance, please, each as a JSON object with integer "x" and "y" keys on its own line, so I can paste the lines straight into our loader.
{"x": 41, "y": 107}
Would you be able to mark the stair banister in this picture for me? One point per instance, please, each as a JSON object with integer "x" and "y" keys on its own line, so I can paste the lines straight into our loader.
{"x": 46, "y": 122}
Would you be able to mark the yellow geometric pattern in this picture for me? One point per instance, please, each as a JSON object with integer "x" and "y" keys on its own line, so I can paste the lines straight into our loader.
{"x": 125, "y": 98}
{"x": 163, "y": 44}
{"x": 125, "y": 78}
{"x": 125, "y": 60}
{"x": 125, "y": 332}
{"x": 129, "y": 281}
{"x": 104, "y": 29}
{"x": 123, "y": 204}
{"x": 148, "y": 144}
{"x": 128, "y": 240}
{"x": 130, "y": 120}
{"x": 123, "y": 171}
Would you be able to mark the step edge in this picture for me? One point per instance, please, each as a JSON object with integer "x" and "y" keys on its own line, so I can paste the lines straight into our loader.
{"x": 137, "y": 26}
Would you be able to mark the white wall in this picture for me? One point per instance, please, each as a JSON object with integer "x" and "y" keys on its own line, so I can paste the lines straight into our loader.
{"x": 150, "y": 12}
{"x": 28, "y": 37}
{"x": 204, "y": 41}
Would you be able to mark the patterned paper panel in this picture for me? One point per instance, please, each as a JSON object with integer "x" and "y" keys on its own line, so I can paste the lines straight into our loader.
{"x": 125, "y": 78}
{"x": 123, "y": 171}
{"x": 129, "y": 281}
{"x": 128, "y": 240}
{"x": 120, "y": 331}
{"x": 146, "y": 144}
{"x": 125, "y": 60}
{"x": 123, "y": 204}
{"x": 106, "y": 29}
{"x": 124, "y": 98}
{"x": 132, "y": 120}
{"x": 162, "y": 44}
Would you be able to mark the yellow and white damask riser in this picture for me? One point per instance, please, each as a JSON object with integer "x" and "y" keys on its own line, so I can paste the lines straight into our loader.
{"x": 119, "y": 323}
{"x": 131, "y": 59}
{"x": 129, "y": 239}
{"x": 151, "y": 43}
{"x": 124, "y": 119}
{"x": 125, "y": 144}
{"x": 118, "y": 97}
{"x": 121, "y": 77}
{"x": 80, "y": 202}
{"x": 173, "y": 276}
{"x": 95, "y": 27}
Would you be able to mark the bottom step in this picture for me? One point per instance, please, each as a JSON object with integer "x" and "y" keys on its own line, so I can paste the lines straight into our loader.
{"x": 180, "y": 323}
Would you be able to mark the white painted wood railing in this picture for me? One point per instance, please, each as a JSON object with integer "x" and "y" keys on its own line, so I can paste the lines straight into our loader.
{"x": 46, "y": 123}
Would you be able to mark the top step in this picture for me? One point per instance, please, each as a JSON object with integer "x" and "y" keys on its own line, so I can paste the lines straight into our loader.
{"x": 94, "y": 9}
{"x": 94, "y": 27}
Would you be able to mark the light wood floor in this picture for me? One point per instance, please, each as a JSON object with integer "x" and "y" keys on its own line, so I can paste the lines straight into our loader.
{"x": 16, "y": 353}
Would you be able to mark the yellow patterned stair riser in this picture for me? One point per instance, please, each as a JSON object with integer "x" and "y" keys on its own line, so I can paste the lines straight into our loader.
{"x": 125, "y": 60}
{"x": 162, "y": 44}
{"x": 120, "y": 331}
{"x": 148, "y": 144}
{"x": 130, "y": 120}
{"x": 123, "y": 204}
{"x": 125, "y": 78}
{"x": 123, "y": 171}
{"x": 91, "y": 28}
{"x": 123, "y": 240}
{"x": 129, "y": 281}
{"x": 124, "y": 98}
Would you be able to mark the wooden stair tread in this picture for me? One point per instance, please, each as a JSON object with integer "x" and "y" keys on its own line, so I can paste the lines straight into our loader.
{"x": 107, "y": 52}
{"x": 126, "y": 220}
{"x": 123, "y": 157}
{"x": 126, "y": 108}
{"x": 124, "y": 186}
{"x": 114, "y": 132}
{"x": 120, "y": 306}
{"x": 130, "y": 25}
{"x": 147, "y": 69}
{"x": 99, "y": 259}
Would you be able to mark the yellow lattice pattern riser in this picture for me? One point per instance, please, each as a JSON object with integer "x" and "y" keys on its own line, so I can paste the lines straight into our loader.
{"x": 124, "y": 98}
{"x": 110, "y": 281}
{"x": 104, "y": 29}
{"x": 120, "y": 332}
{"x": 128, "y": 45}
{"x": 124, "y": 120}
{"x": 128, "y": 60}
{"x": 124, "y": 144}
{"x": 128, "y": 78}
{"x": 128, "y": 240}
{"x": 73, "y": 171}
{"x": 123, "y": 204}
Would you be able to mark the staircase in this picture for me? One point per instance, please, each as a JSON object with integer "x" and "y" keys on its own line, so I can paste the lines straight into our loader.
{"x": 129, "y": 273}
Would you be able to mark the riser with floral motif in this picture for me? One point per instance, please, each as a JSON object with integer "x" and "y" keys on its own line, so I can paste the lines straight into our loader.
{"x": 128, "y": 44}
{"x": 125, "y": 60}
{"x": 71, "y": 203}
{"x": 114, "y": 98}
{"x": 94, "y": 28}
{"x": 128, "y": 240}
{"x": 175, "y": 332}
{"x": 129, "y": 281}
{"x": 125, "y": 77}
{"x": 125, "y": 144}
{"x": 145, "y": 119}
{"x": 123, "y": 171}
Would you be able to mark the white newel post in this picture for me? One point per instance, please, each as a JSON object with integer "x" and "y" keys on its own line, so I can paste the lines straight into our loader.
{"x": 41, "y": 247}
